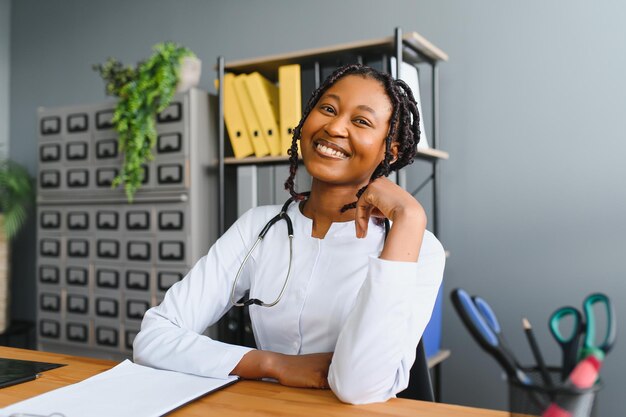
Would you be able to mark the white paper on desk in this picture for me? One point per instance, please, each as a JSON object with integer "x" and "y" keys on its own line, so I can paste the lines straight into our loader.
{"x": 127, "y": 390}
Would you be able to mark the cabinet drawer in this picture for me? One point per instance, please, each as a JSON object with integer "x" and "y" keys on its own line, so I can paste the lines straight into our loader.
{"x": 104, "y": 119}
{"x": 49, "y": 126}
{"x": 50, "y": 328}
{"x": 78, "y": 304}
{"x": 78, "y": 219}
{"x": 77, "y": 151}
{"x": 77, "y": 275}
{"x": 139, "y": 219}
{"x": 77, "y": 123}
{"x": 107, "y": 336}
{"x": 50, "y": 179}
{"x": 108, "y": 249}
{"x": 106, "y": 150}
{"x": 139, "y": 250}
{"x": 107, "y": 220}
{"x": 171, "y": 219}
{"x": 78, "y": 248}
{"x": 105, "y": 176}
{"x": 50, "y": 247}
{"x": 50, "y": 219}
{"x": 172, "y": 251}
{"x": 49, "y": 274}
{"x": 170, "y": 174}
{"x": 168, "y": 277}
{"x": 170, "y": 144}
{"x": 77, "y": 178}
{"x": 172, "y": 113}
{"x": 50, "y": 302}
{"x": 138, "y": 279}
{"x": 77, "y": 332}
{"x": 107, "y": 307}
{"x": 136, "y": 308}
{"x": 50, "y": 153}
{"x": 107, "y": 278}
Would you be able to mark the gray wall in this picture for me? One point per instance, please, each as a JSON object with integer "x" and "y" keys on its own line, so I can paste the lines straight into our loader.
{"x": 532, "y": 104}
{"x": 5, "y": 65}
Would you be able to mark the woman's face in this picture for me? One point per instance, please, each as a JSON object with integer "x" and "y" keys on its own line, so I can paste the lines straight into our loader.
{"x": 343, "y": 138}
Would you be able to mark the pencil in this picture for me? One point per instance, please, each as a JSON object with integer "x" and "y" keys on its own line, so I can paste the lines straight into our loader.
{"x": 528, "y": 329}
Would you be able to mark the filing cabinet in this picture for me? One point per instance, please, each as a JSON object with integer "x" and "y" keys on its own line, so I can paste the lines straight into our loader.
{"x": 102, "y": 262}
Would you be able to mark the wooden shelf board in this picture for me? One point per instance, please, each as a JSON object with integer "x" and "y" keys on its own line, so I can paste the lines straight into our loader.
{"x": 432, "y": 153}
{"x": 267, "y": 65}
{"x": 426, "y": 153}
{"x": 438, "y": 357}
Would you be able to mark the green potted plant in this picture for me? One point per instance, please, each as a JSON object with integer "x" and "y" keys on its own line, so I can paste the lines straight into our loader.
{"x": 143, "y": 92}
{"x": 16, "y": 196}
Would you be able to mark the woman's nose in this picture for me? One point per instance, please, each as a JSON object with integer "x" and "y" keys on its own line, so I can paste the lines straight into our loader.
{"x": 336, "y": 127}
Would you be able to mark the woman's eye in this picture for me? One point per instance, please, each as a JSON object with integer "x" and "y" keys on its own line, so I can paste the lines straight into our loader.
{"x": 362, "y": 122}
{"x": 326, "y": 108}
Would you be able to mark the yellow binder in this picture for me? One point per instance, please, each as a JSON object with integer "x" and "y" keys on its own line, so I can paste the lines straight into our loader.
{"x": 289, "y": 99}
{"x": 264, "y": 98}
{"x": 254, "y": 128}
{"x": 237, "y": 131}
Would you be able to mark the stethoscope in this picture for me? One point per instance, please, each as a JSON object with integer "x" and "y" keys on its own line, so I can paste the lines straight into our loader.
{"x": 280, "y": 216}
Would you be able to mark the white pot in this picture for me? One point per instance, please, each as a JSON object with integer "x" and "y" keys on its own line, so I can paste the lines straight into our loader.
{"x": 190, "y": 70}
{"x": 5, "y": 293}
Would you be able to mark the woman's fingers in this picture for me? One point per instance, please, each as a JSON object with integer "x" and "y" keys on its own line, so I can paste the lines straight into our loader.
{"x": 362, "y": 216}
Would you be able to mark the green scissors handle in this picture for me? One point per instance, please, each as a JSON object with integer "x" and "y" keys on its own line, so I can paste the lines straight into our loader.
{"x": 589, "y": 341}
{"x": 555, "y": 324}
{"x": 570, "y": 343}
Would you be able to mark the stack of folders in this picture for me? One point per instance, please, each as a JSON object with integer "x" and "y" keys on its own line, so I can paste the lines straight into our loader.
{"x": 260, "y": 116}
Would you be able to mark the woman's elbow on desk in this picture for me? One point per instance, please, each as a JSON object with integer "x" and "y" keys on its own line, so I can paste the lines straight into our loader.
{"x": 356, "y": 391}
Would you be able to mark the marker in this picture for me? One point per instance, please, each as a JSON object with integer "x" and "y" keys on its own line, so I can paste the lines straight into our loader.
{"x": 583, "y": 377}
{"x": 528, "y": 329}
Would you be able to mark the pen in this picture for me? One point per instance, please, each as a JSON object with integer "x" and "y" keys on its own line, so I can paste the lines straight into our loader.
{"x": 20, "y": 380}
{"x": 528, "y": 329}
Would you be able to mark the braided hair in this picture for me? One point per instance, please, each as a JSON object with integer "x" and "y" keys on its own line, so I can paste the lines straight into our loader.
{"x": 403, "y": 125}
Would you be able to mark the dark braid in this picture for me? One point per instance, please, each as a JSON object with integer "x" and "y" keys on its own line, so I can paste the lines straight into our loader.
{"x": 403, "y": 125}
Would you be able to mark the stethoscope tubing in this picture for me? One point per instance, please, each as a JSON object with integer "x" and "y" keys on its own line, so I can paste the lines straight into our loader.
{"x": 280, "y": 216}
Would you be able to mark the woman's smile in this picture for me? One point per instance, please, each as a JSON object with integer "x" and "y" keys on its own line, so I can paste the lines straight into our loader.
{"x": 330, "y": 150}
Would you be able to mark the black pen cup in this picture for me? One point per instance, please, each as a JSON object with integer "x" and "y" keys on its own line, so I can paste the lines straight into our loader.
{"x": 533, "y": 399}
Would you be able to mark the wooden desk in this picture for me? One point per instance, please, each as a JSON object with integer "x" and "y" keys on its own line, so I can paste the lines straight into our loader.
{"x": 244, "y": 398}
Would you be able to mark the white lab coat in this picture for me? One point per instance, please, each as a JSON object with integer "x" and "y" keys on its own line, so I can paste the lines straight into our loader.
{"x": 340, "y": 298}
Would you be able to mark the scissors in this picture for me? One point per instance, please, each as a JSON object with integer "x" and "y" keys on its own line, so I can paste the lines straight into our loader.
{"x": 583, "y": 330}
{"x": 483, "y": 325}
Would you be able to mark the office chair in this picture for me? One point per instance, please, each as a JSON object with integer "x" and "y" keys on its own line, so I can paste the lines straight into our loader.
{"x": 420, "y": 387}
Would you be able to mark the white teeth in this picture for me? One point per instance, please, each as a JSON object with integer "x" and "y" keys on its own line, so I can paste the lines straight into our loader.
{"x": 331, "y": 152}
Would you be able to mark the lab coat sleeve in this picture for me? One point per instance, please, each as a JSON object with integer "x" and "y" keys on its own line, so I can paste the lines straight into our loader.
{"x": 170, "y": 336}
{"x": 376, "y": 346}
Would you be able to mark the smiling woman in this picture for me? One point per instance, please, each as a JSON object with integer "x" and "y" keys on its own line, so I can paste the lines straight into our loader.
{"x": 359, "y": 297}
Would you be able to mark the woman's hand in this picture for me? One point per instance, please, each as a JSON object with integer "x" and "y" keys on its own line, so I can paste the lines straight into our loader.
{"x": 383, "y": 198}
{"x": 304, "y": 371}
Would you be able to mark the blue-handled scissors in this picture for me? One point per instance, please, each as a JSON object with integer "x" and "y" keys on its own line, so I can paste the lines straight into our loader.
{"x": 483, "y": 325}
{"x": 583, "y": 330}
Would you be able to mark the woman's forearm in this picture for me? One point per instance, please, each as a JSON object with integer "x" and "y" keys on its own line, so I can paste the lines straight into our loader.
{"x": 404, "y": 240}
